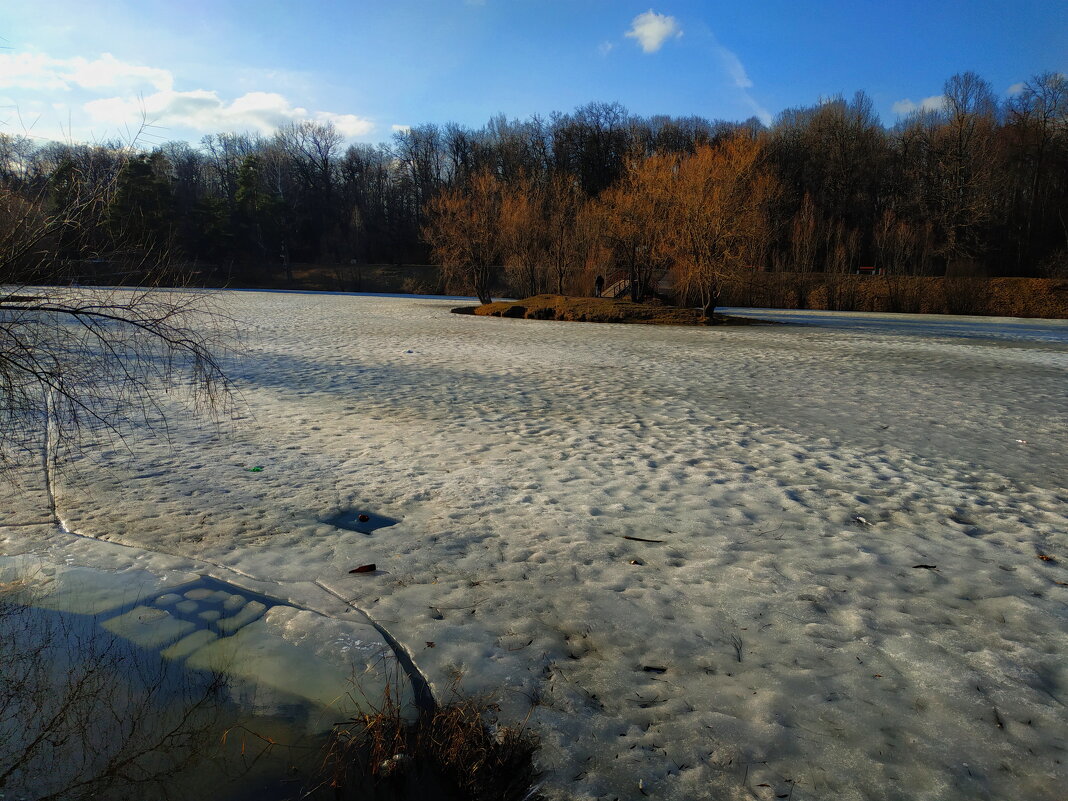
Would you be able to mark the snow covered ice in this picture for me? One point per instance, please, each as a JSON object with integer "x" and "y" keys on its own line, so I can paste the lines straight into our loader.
{"x": 778, "y": 635}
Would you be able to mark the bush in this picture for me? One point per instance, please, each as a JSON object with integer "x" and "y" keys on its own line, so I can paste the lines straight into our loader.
{"x": 456, "y": 751}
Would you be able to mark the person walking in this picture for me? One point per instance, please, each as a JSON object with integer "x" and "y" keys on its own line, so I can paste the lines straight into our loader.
{"x": 598, "y": 286}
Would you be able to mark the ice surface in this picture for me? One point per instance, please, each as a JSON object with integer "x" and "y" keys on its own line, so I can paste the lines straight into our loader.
{"x": 247, "y": 613}
{"x": 71, "y": 588}
{"x": 188, "y": 644}
{"x": 258, "y": 653}
{"x": 779, "y": 632}
{"x": 148, "y": 627}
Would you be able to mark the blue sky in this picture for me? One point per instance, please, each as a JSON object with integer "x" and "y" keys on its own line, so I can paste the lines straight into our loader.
{"x": 90, "y": 69}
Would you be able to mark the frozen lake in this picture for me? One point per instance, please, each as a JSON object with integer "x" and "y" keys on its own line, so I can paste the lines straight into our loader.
{"x": 739, "y": 562}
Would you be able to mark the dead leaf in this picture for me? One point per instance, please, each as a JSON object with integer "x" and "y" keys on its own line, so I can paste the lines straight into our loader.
{"x": 429, "y": 644}
{"x": 364, "y": 569}
{"x": 639, "y": 539}
{"x": 925, "y": 567}
{"x": 1045, "y": 558}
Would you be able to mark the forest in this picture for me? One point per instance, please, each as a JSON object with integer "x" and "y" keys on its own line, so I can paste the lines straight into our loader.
{"x": 975, "y": 187}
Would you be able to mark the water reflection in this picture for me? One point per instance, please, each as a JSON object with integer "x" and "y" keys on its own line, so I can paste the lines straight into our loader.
{"x": 156, "y": 695}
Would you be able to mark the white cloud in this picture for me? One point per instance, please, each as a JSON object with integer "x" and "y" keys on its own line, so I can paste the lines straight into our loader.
{"x": 1015, "y": 89}
{"x": 400, "y": 128}
{"x": 203, "y": 110}
{"x": 604, "y": 48}
{"x": 117, "y": 94}
{"x": 906, "y": 106}
{"x": 651, "y": 30}
{"x": 40, "y": 72}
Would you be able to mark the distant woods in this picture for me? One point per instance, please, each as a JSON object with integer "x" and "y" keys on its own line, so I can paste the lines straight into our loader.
{"x": 976, "y": 187}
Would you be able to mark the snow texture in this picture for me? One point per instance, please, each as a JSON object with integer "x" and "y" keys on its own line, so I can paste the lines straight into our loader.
{"x": 798, "y": 560}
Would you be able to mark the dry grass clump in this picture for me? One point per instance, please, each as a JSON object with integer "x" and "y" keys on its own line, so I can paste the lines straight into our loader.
{"x": 456, "y": 752}
{"x": 599, "y": 310}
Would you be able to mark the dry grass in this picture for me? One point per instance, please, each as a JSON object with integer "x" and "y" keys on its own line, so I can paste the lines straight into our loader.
{"x": 599, "y": 310}
{"x": 1004, "y": 297}
{"x": 457, "y": 752}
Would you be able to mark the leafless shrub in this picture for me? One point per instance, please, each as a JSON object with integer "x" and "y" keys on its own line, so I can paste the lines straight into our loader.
{"x": 454, "y": 751}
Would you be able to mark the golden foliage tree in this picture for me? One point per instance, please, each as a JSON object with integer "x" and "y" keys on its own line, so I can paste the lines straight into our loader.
{"x": 632, "y": 219}
{"x": 523, "y": 235}
{"x": 463, "y": 231}
{"x": 718, "y": 215}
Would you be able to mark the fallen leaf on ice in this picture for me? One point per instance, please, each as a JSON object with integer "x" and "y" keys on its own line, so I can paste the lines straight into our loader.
{"x": 639, "y": 539}
{"x": 925, "y": 567}
{"x": 1045, "y": 558}
{"x": 364, "y": 569}
{"x": 429, "y": 644}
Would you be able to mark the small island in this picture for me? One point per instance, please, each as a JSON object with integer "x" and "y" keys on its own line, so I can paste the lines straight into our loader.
{"x": 601, "y": 310}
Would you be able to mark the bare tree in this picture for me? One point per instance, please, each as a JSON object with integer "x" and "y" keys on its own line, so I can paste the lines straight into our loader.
{"x": 73, "y": 360}
{"x": 966, "y": 149}
{"x": 566, "y": 237}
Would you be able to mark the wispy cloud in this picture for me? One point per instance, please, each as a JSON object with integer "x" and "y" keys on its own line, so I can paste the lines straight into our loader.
{"x": 741, "y": 80}
{"x": 604, "y": 48}
{"x": 651, "y": 30}
{"x": 1015, "y": 89}
{"x": 735, "y": 68}
{"x": 906, "y": 106}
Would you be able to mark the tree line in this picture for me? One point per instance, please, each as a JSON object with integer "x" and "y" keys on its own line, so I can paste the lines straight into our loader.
{"x": 976, "y": 185}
